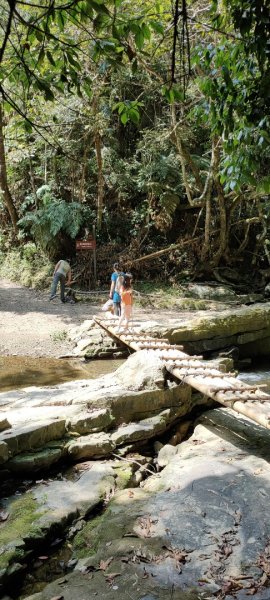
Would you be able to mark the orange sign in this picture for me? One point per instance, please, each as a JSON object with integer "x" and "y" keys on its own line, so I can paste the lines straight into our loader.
{"x": 86, "y": 244}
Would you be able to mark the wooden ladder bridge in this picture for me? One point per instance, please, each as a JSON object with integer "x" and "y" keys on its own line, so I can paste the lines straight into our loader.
{"x": 202, "y": 375}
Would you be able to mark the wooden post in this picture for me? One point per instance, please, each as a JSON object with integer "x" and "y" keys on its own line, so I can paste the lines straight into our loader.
{"x": 94, "y": 257}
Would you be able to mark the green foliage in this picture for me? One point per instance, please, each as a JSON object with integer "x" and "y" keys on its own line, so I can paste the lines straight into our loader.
{"x": 48, "y": 46}
{"x": 52, "y": 217}
{"x": 129, "y": 111}
{"x": 103, "y": 66}
{"x": 27, "y": 266}
{"x": 231, "y": 107}
{"x": 59, "y": 336}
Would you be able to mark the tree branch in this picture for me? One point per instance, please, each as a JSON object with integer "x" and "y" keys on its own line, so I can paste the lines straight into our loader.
{"x": 12, "y": 5}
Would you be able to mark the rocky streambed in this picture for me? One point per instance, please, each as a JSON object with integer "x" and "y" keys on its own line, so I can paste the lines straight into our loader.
{"x": 168, "y": 495}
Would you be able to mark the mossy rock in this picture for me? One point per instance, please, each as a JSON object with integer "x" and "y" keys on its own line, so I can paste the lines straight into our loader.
{"x": 23, "y": 513}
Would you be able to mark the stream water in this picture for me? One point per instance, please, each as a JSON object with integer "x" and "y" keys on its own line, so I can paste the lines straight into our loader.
{"x": 23, "y": 371}
{"x": 258, "y": 374}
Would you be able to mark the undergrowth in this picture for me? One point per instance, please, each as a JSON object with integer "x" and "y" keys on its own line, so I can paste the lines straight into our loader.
{"x": 30, "y": 267}
{"x": 27, "y": 266}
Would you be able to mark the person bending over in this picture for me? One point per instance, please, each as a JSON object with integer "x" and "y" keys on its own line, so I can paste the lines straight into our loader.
{"x": 62, "y": 274}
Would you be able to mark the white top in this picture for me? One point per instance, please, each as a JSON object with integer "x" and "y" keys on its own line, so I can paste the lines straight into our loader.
{"x": 63, "y": 268}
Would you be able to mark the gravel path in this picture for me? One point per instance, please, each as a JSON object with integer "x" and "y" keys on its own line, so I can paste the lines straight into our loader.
{"x": 30, "y": 325}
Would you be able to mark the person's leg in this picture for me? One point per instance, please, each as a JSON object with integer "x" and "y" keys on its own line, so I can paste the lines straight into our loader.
{"x": 127, "y": 315}
{"x": 122, "y": 316}
{"x": 62, "y": 286}
{"x": 54, "y": 285}
{"x": 117, "y": 309}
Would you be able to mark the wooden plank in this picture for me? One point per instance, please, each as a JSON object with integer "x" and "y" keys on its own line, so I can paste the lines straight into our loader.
{"x": 224, "y": 388}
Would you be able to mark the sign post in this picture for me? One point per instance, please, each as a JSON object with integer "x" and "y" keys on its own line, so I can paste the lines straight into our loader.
{"x": 95, "y": 255}
{"x": 87, "y": 245}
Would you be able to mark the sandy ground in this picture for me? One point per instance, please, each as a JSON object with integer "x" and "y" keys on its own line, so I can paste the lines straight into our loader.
{"x": 30, "y": 325}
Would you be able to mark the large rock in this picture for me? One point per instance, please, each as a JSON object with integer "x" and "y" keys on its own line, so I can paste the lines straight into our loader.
{"x": 27, "y": 437}
{"x": 199, "y": 528}
{"x": 92, "y": 342}
{"x": 91, "y": 446}
{"x": 247, "y": 327}
{"x": 137, "y": 391}
{"x": 48, "y": 507}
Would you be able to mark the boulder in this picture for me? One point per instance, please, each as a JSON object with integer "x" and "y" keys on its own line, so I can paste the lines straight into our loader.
{"x": 34, "y": 515}
{"x": 138, "y": 392}
{"x": 4, "y": 424}
{"x": 91, "y": 446}
{"x": 199, "y": 527}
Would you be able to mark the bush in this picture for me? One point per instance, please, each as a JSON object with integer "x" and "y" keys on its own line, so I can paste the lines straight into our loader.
{"x": 27, "y": 266}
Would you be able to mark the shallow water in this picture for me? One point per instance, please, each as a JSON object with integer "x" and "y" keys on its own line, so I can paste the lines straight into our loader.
{"x": 258, "y": 373}
{"x": 24, "y": 371}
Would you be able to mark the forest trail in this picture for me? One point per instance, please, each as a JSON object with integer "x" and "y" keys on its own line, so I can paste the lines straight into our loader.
{"x": 30, "y": 325}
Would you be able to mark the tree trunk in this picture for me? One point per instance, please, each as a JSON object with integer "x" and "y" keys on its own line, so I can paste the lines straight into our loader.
{"x": 223, "y": 237}
{"x": 83, "y": 171}
{"x": 100, "y": 188}
{"x": 8, "y": 200}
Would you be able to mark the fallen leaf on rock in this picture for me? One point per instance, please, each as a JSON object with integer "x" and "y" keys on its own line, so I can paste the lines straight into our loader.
{"x": 105, "y": 563}
{"x": 131, "y": 494}
{"x": 61, "y": 581}
{"x": 145, "y": 574}
{"x": 146, "y": 525}
{"x": 263, "y": 579}
{"x": 179, "y": 554}
{"x": 125, "y": 559}
{"x": 110, "y": 577}
{"x": 237, "y": 517}
{"x": 57, "y": 598}
{"x": 140, "y": 556}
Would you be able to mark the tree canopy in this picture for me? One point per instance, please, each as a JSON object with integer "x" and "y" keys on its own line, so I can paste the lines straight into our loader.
{"x": 148, "y": 120}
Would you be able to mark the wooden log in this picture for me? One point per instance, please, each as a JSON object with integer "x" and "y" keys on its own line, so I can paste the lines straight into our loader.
{"x": 258, "y": 412}
{"x": 247, "y": 400}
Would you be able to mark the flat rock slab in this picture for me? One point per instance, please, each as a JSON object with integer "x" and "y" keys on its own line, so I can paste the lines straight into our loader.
{"x": 137, "y": 391}
{"x": 54, "y": 503}
{"x": 199, "y": 528}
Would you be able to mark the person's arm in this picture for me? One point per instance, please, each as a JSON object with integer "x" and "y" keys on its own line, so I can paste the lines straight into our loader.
{"x": 112, "y": 290}
{"x": 69, "y": 277}
{"x": 56, "y": 267}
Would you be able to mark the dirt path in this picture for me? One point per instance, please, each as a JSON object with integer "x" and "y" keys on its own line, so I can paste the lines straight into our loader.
{"x": 30, "y": 325}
